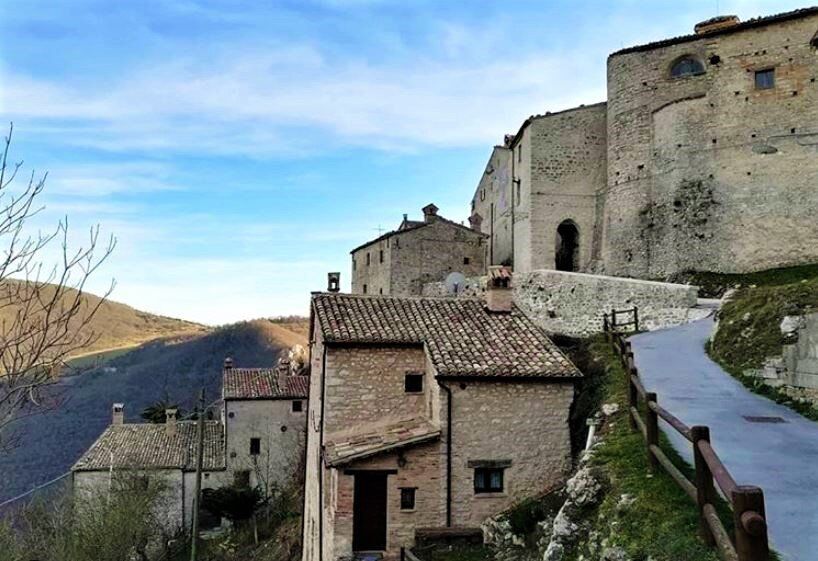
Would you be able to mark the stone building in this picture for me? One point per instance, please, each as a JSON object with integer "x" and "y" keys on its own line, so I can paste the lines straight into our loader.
{"x": 399, "y": 262}
{"x": 427, "y": 413}
{"x": 258, "y": 441}
{"x": 704, "y": 157}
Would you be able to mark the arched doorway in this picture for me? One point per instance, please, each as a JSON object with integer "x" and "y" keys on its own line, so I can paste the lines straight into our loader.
{"x": 567, "y": 250}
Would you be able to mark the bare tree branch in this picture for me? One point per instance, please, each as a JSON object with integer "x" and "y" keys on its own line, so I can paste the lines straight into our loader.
{"x": 45, "y": 314}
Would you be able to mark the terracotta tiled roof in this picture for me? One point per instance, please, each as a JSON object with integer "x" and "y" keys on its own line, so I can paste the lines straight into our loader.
{"x": 344, "y": 447}
{"x": 749, "y": 24}
{"x": 263, "y": 383}
{"x": 462, "y": 337}
{"x": 148, "y": 446}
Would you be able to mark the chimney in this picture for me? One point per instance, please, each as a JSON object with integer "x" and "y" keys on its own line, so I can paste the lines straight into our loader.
{"x": 170, "y": 421}
{"x": 118, "y": 414}
{"x": 430, "y": 213}
{"x": 476, "y": 221}
{"x": 717, "y": 23}
{"x": 498, "y": 290}
{"x": 333, "y": 282}
{"x": 228, "y": 363}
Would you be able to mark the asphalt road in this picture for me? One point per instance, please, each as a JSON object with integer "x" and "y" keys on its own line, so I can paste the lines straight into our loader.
{"x": 780, "y": 457}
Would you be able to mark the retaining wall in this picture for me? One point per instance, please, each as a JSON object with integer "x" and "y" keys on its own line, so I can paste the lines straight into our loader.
{"x": 573, "y": 303}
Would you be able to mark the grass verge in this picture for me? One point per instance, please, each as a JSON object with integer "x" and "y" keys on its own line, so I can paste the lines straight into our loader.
{"x": 714, "y": 285}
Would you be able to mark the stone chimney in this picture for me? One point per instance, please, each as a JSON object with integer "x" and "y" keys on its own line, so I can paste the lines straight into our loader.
{"x": 228, "y": 363}
{"x": 118, "y": 414}
{"x": 333, "y": 282}
{"x": 498, "y": 290}
{"x": 476, "y": 222}
{"x": 170, "y": 421}
{"x": 717, "y": 23}
{"x": 430, "y": 213}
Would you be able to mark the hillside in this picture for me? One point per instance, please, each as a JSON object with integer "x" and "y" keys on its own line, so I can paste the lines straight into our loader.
{"x": 175, "y": 368}
{"x": 114, "y": 325}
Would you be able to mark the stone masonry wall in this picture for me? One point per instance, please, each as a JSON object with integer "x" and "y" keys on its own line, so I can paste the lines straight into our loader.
{"x": 493, "y": 202}
{"x": 488, "y": 425}
{"x": 707, "y": 172}
{"x": 573, "y": 303}
{"x": 366, "y": 385}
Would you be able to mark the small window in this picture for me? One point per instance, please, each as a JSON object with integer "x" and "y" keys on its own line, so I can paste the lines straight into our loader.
{"x": 686, "y": 66}
{"x": 380, "y": 291}
{"x": 380, "y": 256}
{"x": 765, "y": 79}
{"x": 364, "y": 289}
{"x": 413, "y": 383}
{"x": 255, "y": 446}
{"x": 354, "y": 264}
{"x": 242, "y": 478}
{"x": 482, "y": 194}
{"x": 298, "y": 406}
{"x": 368, "y": 259}
{"x": 488, "y": 480}
{"x": 407, "y": 498}
{"x": 466, "y": 260}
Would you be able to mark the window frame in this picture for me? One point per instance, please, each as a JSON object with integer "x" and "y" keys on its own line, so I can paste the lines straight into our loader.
{"x": 413, "y": 376}
{"x": 686, "y": 58}
{"x": 763, "y": 72}
{"x": 298, "y": 406}
{"x": 408, "y": 498}
{"x": 255, "y": 446}
{"x": 487, "y": 487}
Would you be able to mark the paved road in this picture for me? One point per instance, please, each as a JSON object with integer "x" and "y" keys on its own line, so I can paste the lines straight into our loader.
{"x": 781, "y": 458}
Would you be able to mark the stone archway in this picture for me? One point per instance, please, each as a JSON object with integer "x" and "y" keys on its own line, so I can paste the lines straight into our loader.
{"x": 567, "y": 249}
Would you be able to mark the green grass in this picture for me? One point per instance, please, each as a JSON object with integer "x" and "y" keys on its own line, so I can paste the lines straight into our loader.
{"x": 714, "y": 285}
{"x": 662, "y": 522}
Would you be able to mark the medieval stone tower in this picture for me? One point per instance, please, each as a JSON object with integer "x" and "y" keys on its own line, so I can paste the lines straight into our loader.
{"x": 705, "y": 157}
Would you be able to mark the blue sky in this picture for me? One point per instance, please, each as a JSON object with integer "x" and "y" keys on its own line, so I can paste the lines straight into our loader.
{"x": 239, "y": 150}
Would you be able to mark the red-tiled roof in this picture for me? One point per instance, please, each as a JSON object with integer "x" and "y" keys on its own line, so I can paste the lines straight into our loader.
{"x": 263, "y": 383}
{"x": 345, "y": 447}
{"x": 462, "y": 337}
{"x": 149, "y": 446}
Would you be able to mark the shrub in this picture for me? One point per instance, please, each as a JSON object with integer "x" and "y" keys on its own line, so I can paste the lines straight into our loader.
{"x": 236, "y": 503}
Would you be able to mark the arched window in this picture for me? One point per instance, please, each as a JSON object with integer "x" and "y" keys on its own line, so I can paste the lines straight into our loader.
{"x": 686, "y": 66}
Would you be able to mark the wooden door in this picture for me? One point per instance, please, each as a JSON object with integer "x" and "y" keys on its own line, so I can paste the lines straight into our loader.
{"x": 369, "y": 512}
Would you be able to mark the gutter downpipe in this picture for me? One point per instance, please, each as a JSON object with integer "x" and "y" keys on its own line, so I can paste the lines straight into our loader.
{"x": 321, "y": 458}
{"x": 448, "y": 453}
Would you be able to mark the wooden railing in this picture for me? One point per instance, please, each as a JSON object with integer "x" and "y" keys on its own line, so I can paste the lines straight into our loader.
{"x": 618, "y": 319}
{"x": 746, "y": 502}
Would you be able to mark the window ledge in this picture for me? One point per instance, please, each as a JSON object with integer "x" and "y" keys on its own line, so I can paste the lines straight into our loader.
{"x": 408, "y": 510}
{"x": 500, "y": 495}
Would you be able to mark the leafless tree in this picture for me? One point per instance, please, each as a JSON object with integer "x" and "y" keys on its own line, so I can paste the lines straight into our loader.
{"x": 45, "y": 316}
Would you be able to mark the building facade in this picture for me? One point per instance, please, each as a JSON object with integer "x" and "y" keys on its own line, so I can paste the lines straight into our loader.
{"x": 704, "y": 157}
{"x": 400, "y": 262}
{"x": 259, "y": 441}
{"x": 398, "y": 437}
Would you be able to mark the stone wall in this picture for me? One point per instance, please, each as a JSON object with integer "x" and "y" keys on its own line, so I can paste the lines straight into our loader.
{"x": 573, "y": 303}
{"x": 707, "y": 172}
{"x": 801, "y": 357}
{"x": 493, "y": 202}
{"x": 524, "y": 423}
{"x": 281, "y": 431}
{"x": 366, "y": 385}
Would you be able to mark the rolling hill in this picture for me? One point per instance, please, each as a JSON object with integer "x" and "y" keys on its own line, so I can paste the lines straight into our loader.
{"x": 114, "y": 325}
{"x": 175, "y": 368}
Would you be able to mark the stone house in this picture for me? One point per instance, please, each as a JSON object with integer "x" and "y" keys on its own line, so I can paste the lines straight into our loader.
{"x": 400, "y": 262}
{"x": 427, "y": 413}
{"x": 258, "y": 440}
{"x": 704, "y": 157}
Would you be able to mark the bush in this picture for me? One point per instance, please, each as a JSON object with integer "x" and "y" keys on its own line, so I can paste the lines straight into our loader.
{"x": 236, "y": 503}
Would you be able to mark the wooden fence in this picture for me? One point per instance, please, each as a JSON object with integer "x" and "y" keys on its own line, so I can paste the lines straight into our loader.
{"x": 618, "y": 319}
{"x": 746, "y": 502}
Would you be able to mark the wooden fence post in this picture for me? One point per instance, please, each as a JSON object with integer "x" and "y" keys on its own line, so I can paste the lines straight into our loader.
{"x": 635, "y": 318}
{"x": 613, "y": 318}
{"x": 605, "y": 328}
{"x": 633, "y": 397}
{"x": 652, "y": 425}
{"x": 705, "y": 491}
{"x": 750, "y": 523}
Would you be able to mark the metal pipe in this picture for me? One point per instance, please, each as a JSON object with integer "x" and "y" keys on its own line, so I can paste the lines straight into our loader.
{"x": 448, "y": 453}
